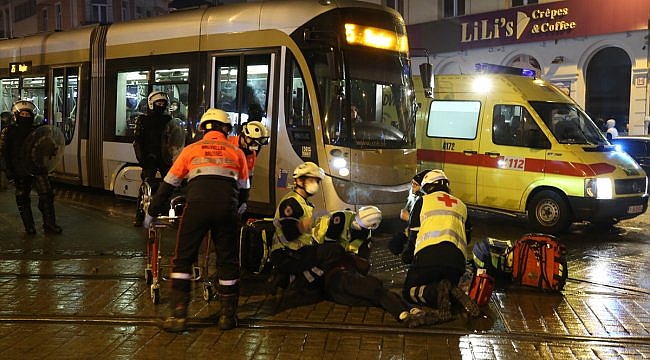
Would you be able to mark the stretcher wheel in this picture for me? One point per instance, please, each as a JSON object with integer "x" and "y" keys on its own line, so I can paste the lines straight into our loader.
{"x": 148, "y": 276}
{"x": 155, "y": 295}
{"x": 208, "y": 292}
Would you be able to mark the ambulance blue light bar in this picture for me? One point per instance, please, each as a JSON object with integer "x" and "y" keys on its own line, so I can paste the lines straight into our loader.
{"x": 486, "y": 68}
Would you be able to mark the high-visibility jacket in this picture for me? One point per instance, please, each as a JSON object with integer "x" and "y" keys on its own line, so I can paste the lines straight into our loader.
{"x": 279, "y": 239}
{"x": 342, "y": 234}
{"x": 251, "y": 156}
{"x": 442, "y": 218}
{"x": 212, "y": 155}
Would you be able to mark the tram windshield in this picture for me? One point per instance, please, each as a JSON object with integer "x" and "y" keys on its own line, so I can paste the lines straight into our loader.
{"x": 373, "y": 107}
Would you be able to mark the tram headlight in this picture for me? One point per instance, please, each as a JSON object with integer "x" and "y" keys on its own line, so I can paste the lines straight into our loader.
{"x": 340, "y": 165}
{"x": 598, "y": 188}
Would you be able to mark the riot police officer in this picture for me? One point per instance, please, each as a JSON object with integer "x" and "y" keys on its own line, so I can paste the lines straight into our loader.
{"x": 148, "y": 137}
{"x": 16, "y": 159}
{"x": 253, "y": 136}
{"x": 216, "y": 170}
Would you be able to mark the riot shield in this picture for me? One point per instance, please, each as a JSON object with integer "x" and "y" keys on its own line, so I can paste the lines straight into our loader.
{"x": 173, "y": 140}
{"x": 43, "y": 150}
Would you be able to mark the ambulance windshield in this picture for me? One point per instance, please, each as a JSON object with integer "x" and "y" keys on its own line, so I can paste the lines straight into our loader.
{"x": 569, "y": 124}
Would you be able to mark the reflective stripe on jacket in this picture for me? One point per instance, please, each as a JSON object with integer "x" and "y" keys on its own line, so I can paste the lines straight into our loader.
{"x": 442, "y": 218}
{"x": 212, "y": 155}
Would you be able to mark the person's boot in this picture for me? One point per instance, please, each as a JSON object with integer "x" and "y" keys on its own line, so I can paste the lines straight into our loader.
{"x": 46, "y": 205}
{"x": 25, "y": 210}
{"x": 443, "y": 300}
{"x": 179, "y": 303}
{"x": 228, "y": 317}
{"x": 468, "y": 304}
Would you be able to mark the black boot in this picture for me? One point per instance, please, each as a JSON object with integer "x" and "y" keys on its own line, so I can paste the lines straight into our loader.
{"x": 46, "y": 205}
{"x": 25, "y": 209}
{"x": 179, "y": 303}
{"x": 228, "y": 318}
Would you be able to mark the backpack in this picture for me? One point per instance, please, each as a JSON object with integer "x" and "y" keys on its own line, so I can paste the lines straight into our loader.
{"x": 495, "y": 256}
{"x": 540, "y": 262}
{"x": 255, "y": 239}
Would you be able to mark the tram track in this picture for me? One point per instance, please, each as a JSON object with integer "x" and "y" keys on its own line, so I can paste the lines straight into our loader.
{"x": 132, "y": 277}
{"x": 253, "y": 323}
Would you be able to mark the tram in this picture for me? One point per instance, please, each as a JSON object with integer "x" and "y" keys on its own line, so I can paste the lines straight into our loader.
{"x": 299, "y": 66}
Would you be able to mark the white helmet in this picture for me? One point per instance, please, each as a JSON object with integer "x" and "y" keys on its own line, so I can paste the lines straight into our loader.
{"x": 213, "y": 114}
{"x": 155, "y": 96}
{"x": 256, "y": 130}
{"x": 23, "y": 105}
{"x": 368, "y": 217}
{"x": 309, "y": 169}
{"x": 435, "y": 177}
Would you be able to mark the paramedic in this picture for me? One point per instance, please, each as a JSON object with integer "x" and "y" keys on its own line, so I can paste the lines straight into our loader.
{"x": 295, "y": 254}
{"x": 396, "y": 244}
{"x": 352, "y": 230}
{"x": 437, "y": 248}
{"x": 253, "y": 136}
{"x": 216, "y": 170}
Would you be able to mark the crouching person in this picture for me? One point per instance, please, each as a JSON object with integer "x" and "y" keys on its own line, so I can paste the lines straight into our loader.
{"x": 298, "y": 260}
{"x": 437, "y": 248}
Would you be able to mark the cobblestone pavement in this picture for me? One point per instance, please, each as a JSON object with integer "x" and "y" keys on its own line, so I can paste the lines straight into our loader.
{"x": 82, "y": 295}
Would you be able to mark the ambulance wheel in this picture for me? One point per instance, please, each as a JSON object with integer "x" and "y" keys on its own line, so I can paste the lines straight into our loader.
{"x": 549, "y": 212}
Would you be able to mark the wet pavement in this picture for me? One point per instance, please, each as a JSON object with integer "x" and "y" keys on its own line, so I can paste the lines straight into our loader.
{"x": 82, "y": 295}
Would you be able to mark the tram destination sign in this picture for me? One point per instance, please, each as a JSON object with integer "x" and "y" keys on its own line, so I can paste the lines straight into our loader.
{"x": 20, "y": 67}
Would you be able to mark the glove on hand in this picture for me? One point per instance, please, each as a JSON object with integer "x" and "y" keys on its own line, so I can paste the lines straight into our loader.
{"x": 148, "y": 219}
{"x": 242, "y": 208}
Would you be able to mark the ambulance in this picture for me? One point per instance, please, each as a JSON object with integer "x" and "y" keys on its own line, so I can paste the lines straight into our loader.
{"x": 513, "y": 143}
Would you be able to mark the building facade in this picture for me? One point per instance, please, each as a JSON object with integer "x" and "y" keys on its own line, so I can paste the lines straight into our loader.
{"x": 25, "y": 17}
{"x": 596, "y": 50}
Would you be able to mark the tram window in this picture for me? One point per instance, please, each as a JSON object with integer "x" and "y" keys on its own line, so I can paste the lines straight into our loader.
{"x": 298, "y": 121}
{"x": 241, "y": 86}
{"x": 64, "y": 104}
{"x": 9, "y": 93}
{"x": 175, "y": 82}
{"x": 131, "y": 101}
{"x": 33, "y": 89}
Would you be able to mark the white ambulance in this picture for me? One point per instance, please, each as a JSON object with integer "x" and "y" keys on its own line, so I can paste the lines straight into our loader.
{"x": 516, "y": 144}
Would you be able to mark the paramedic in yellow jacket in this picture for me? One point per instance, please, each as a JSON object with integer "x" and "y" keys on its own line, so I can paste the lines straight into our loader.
{"x": 295, "y": 254}
{"x": 352, "y": 230}
{"x": 437, "y": 248}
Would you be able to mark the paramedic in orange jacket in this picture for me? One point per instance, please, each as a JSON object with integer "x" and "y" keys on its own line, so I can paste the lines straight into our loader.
{"x": 437, "y": 248}
{"x": 216, "y": 171}
{"x": 253, "y": 136}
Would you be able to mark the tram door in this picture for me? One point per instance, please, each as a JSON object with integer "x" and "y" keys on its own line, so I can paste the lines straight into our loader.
{"x": 244, "y": 85}
{"x": 64, "y": 115}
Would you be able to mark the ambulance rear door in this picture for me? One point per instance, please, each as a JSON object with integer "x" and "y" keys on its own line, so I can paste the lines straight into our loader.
{"x": 454, "y": 125}
{"x": 511, "y": 157}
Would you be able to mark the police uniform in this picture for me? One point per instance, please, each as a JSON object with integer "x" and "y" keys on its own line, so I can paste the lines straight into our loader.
{"x": 215, "y": 170}
{"x": 147, "y": 144}
{"x": 15, "y": 160}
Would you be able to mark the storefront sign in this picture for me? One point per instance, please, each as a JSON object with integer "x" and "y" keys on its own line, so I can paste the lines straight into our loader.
{"x": 532, "y": 23}
{"x": 551, "y": 21}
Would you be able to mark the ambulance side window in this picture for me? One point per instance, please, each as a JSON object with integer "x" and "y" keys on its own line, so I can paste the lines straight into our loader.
{"x": 514, "y": 126}
{"x": 453, "y": 119}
